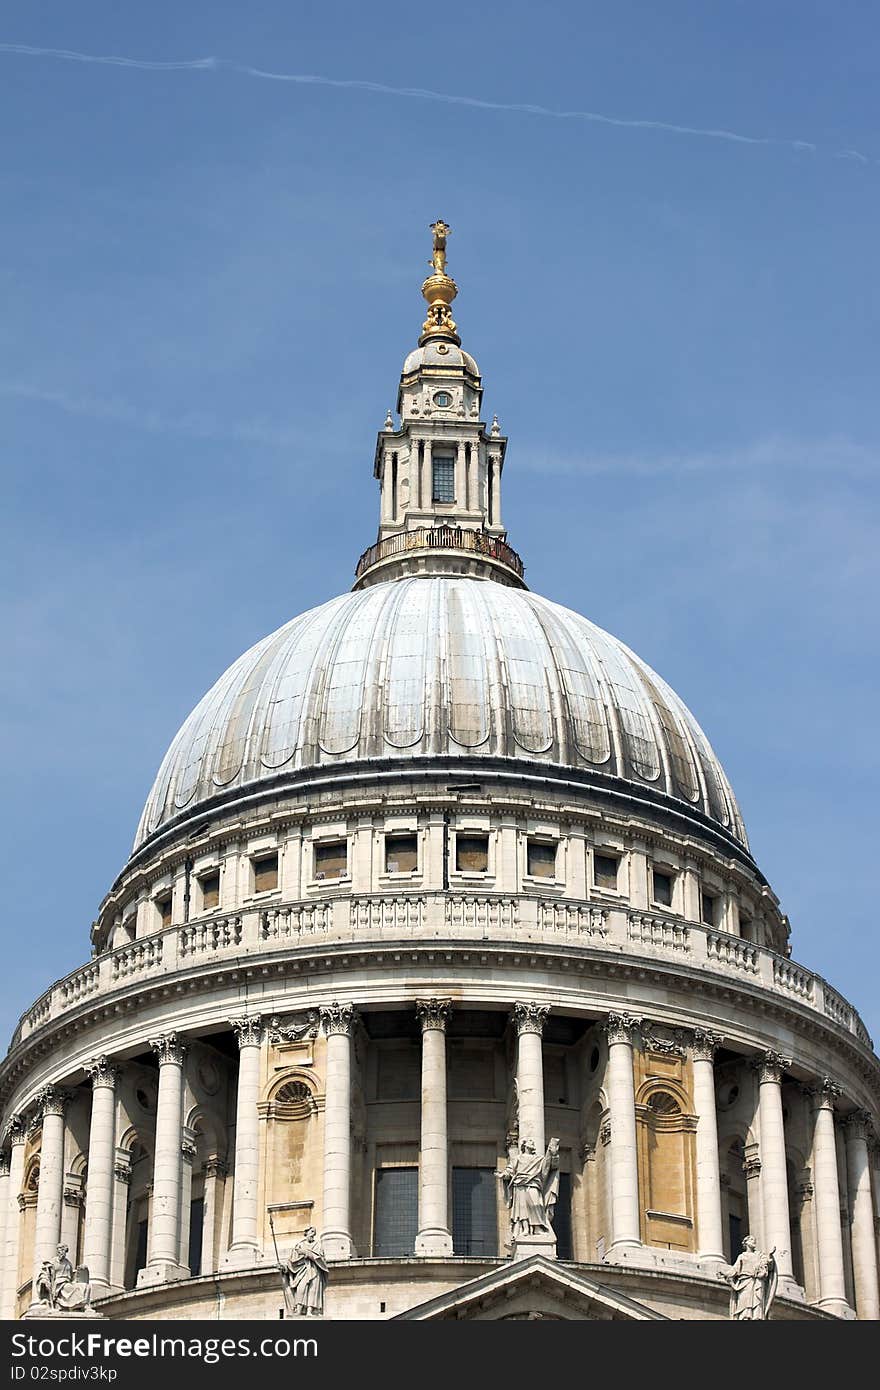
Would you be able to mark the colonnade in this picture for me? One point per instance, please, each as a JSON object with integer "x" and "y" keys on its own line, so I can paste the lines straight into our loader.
{"x": 434, "y": 1239}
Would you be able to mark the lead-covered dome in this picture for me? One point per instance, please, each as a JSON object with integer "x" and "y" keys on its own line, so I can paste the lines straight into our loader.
{"x": 438, "y": 666}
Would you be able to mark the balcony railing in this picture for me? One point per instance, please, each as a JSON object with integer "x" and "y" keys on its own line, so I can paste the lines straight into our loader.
{"x": 514, "y": 919}
{"x": 441, "y": 538}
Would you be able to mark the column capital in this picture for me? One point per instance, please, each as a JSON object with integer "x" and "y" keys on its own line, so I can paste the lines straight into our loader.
{"x": 52, "y": 1100}
{"x": 858, "y": 1124}
{"x": 102, "y": 1072}
{"x": 122, "y": 1168}
{"x": 530, "y": 1017}
{"x": 169, "y": 1049}
{"x": 188, "y": 1149}
{"x": 433, "y": 1013}
{"x": 16, "y": 1130}
{"x": 621, "y": 1028}
{"x": 704, "y": 1044}
{"x": 216, "y": 1168}
{"x": 771, "y": 1066}
{"x": 248, "y": 1029}
{"x": 338, "y": 1018}
{"x": 823, "y": 1093}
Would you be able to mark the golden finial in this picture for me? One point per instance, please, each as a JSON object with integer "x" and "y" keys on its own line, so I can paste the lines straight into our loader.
{"x": 439, "y": 289}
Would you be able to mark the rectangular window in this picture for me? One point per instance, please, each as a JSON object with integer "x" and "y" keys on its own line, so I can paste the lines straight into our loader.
{"x": 474, "y": 1212}
{"x": 266, "y": 873}
{"x": 210, "y": 886}
{"x": 746, "y": 928}
{"x": 163, "y": 907}
{"x": 605, "y": 868}
{"x": 397, "y": 1211}
{"x": 562, "y": 1219}
{"x": 661, "y": 891}
{"x": 472, "y": 854}
{"x": 443, "y": 478}
{"x": 140, "y": 1250}
{"x": 541, "y": 859}
{"x": 196, "y": 1226}
{"x": 401, "y": 854}
{"x": 331, "y": 858}
{"x": 707, "y": 909}
{"x": 735, "y": 1228}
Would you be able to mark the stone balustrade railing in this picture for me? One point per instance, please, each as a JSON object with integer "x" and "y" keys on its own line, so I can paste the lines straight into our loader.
{"x": 496, "y": 918}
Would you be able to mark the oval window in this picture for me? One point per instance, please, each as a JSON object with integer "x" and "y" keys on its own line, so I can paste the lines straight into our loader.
{"x": 443, "y": 399}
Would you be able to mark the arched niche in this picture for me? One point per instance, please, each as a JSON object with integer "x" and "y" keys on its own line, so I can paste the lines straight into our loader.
{"x": 292, "y": 1115}
{"x": 666, "y": 1131}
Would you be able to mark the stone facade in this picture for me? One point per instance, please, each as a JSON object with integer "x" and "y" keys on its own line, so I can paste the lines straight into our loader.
{"x": 341, "y": 996}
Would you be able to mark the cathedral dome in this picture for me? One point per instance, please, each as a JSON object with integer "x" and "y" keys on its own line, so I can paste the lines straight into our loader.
{"x": 437, "y": 353}
{"x": 437, "y": 667}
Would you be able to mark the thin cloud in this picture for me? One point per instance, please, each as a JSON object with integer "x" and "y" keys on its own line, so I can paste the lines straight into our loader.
{"x": 214, "y": 65}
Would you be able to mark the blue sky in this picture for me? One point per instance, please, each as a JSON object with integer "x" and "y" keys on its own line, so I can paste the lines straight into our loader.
{"x": 209, "y": 279}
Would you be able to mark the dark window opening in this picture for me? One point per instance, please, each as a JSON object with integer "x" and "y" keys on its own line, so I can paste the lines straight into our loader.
{"x": 474, "y": 1212}
{"x": 401, "y": 854}
{"x": 210, "y": 886}
{"x": 443, "y": 478}
{"x": 140, "y": 1253}
{"x": 707, "y": 909}
{"x": 562, "y": 1219}
{"x": 605, "y": 868}
{"x": 397, "y": 1211}
{"x": 737, "y": 1235}
{"x": 266, "y": 873}
{"x": 196, "y": 1227}
{"x": 472, "y": 854}
{"x": 541, "y": 859}
{"x": 662, "y": 888}
{"x": 163, "y": 906}
{"x": 331, "y": 858}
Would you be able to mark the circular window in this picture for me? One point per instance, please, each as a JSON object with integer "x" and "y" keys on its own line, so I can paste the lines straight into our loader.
{"x": 144, "y": 1099}
{"x": 443, "y": 399}
{"x": 443, "y": 347}
{"x": 728, "y": 1094}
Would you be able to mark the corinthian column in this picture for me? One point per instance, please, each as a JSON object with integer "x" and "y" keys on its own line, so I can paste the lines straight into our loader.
{"x": 51, "y": 1104}
{"x": 16, "y": 1133}
{"x": 858, "y": 1180}
{"x": 710, "y": 1240}
{"x": 826, "y": 1190}
{"x": 529, "y": 1020}
{"x": 245, "y": 1250}
{"x": 774, "y": 1178}
{"x": 434, "y": 1237}
{"x": 338, "y": 1021}
{"x": 163, "y": 1237}
{"x": 100, "y": 1185}
{"x": 623, "y": 1154}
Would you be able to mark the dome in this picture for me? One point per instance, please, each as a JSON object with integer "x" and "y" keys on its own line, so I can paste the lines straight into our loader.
{"x": 439, "y": 353}
{"x": 436, "y": 667}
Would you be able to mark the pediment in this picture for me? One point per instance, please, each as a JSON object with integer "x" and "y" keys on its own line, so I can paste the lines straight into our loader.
{"x": 532, "y": 1289}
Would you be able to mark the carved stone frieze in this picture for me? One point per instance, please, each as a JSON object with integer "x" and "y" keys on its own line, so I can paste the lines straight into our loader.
{"x": 433, "y": 1013}
{"x": 295, "y": 1029}
{"x": 530, "y": 1017}
{"x": 666, "y": 1042}
{"x": 169, "y": 1049}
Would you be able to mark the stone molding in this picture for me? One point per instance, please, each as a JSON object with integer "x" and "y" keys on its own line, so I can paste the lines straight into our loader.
{"x": 248, "y": 1029}
{"x": 169, "y": 1049}
{"x": 52, "y": 1100}
{"x": 216, "y": 1168}
{"x": 530, "y": 1017}
{"x": 858, "y": 1124}
{"x": 433, "y": 1013}
{"x": 823, "y": 1093}
{"x": 338, "y": 1019}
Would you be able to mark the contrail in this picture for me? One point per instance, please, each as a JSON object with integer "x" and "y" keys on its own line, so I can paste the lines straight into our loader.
{"x": 213, "y": 64}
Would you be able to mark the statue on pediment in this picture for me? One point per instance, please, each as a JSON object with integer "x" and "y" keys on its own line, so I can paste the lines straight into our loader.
{"x": 753, "y": 1280}
{"x": 531, "y": 1187}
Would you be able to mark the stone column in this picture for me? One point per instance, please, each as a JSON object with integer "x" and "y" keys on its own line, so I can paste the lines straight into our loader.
{"x": 461, "y": 480}
{"x": 427, "y": 477}
{"x": 121, "y": 1184}
{"x": 529, "y": 1020}
{"x": 434, "y": 1237}
{"x": 338, "y": 1021}
{"x": 15, "y": 1137}
{"x": 826, "y": 1197}
{"x": 51, "y": 1103}
{"x": 101, "y": 1178}
{"x": 163, "y": 1242}
{"x": 710, "y": 1239}
{"x": 5, "y": 1214}
{"x": 244, "y": 1251}
{"x": 774, "y": 1178}
{"x": 188, "y": 1155}
{"x": 864, "y": 1251}
{"x": 623, "y": 1152}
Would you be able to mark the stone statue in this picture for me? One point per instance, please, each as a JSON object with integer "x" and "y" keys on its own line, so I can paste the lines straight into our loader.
{"x": 753, "y": 1280}
{"x": 60, "y": 1287}
{"x": 305, "y": 1275}
{"x": 438, "y": 260}
{"x": 531, "y": 1186}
